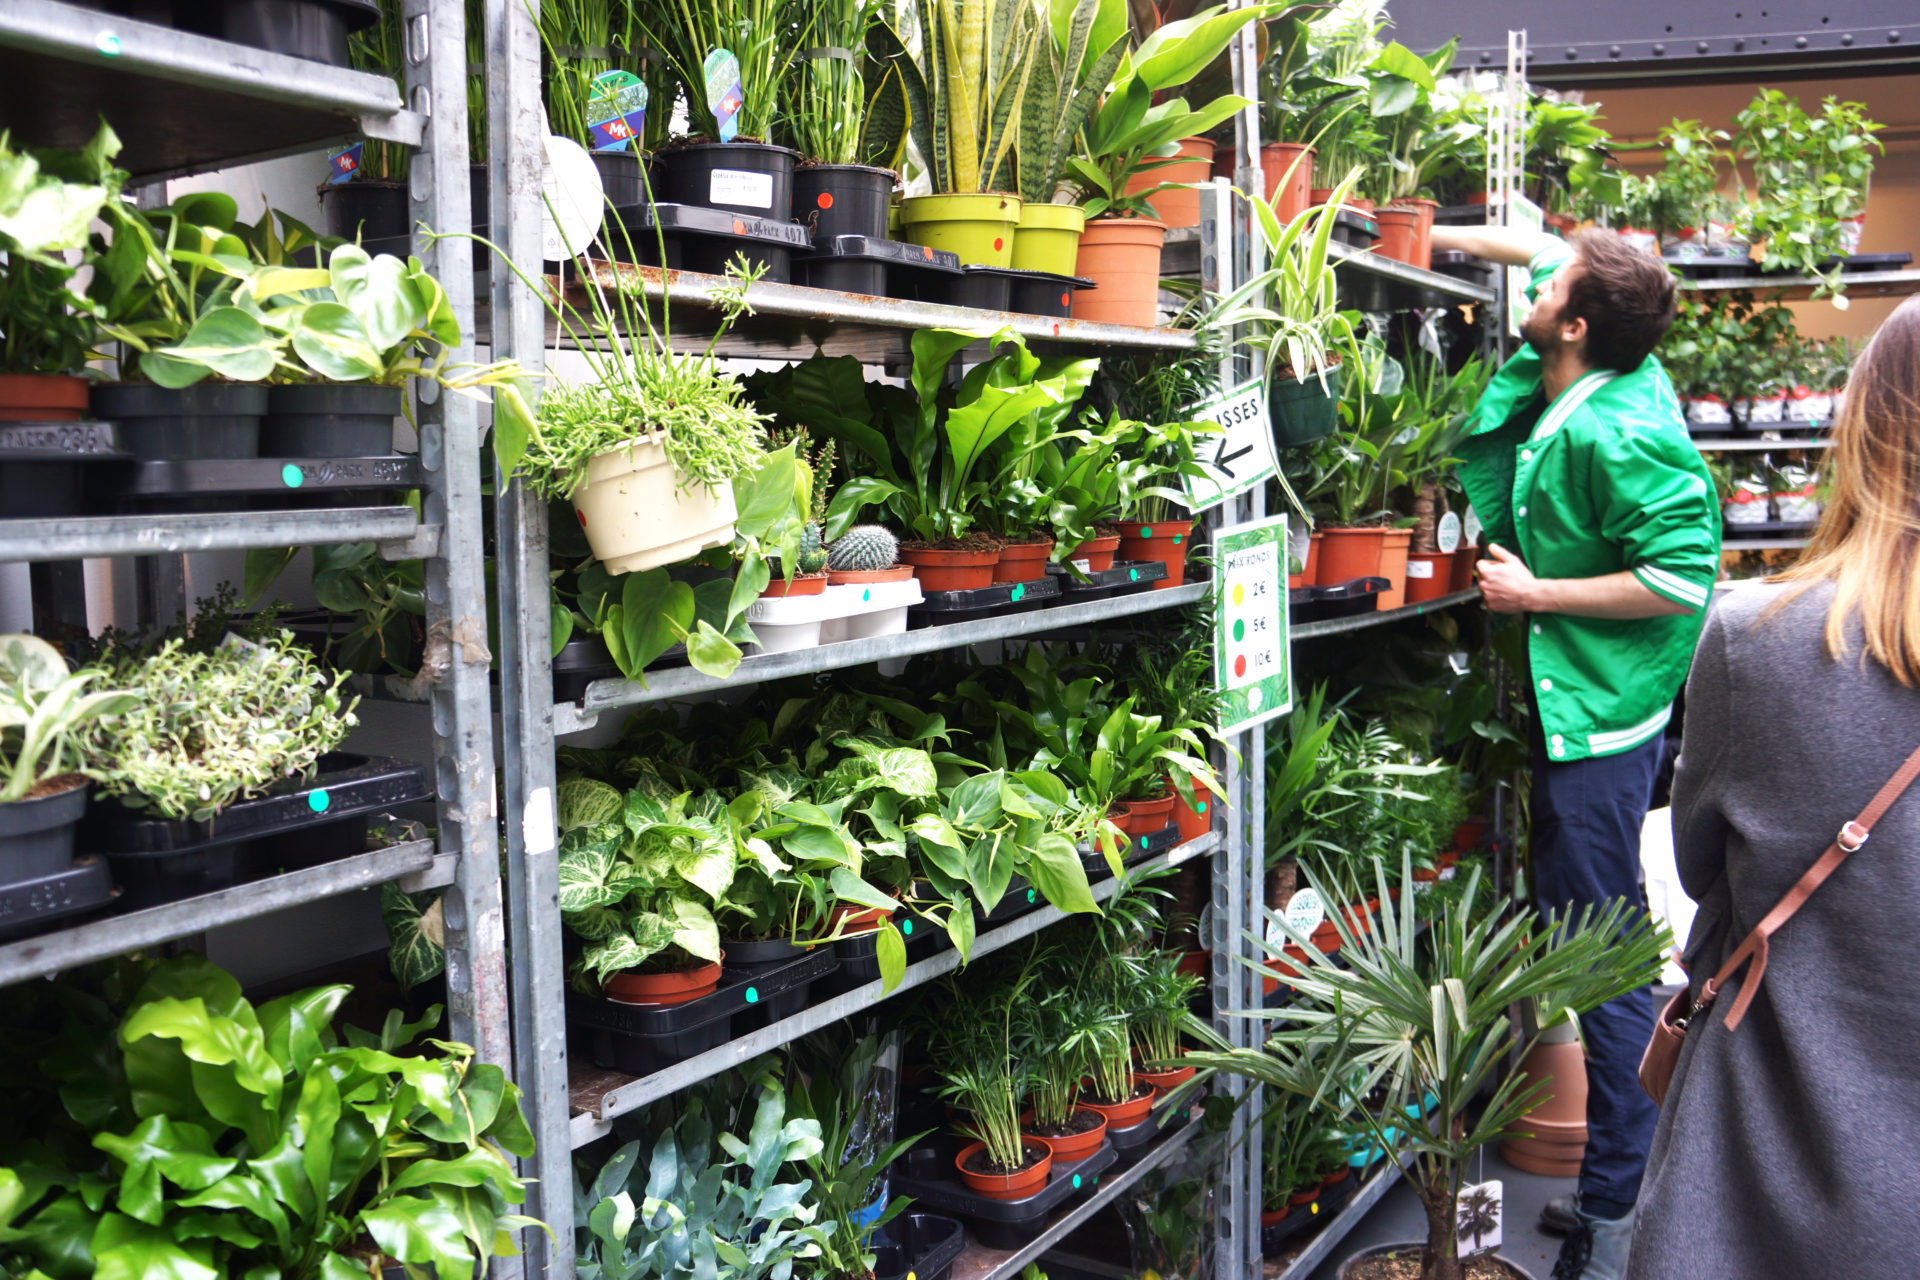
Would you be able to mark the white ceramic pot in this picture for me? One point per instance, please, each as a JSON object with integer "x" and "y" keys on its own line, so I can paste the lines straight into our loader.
{"x": 634, "y": 517}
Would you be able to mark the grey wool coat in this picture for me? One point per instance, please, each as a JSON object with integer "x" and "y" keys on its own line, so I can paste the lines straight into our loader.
{"x": 1789, "y": 1148}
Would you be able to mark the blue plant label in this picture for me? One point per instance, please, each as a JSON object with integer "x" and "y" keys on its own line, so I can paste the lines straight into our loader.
{"x": 616, "y": 110}
{"x": 725, "y": 96}
{"x": 344, "y": 161}
{"x": 319, "y": 801}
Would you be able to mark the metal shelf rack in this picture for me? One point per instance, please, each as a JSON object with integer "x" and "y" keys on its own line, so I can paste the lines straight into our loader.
{"x": 1776, "y": 288}
{"x": 1371, "y": 1192}
{"x": 398, "y": 528}
{"x": 1763, "y": 446}
{"x": 1361, "y": 621}
{"x": 1409, "y": 284}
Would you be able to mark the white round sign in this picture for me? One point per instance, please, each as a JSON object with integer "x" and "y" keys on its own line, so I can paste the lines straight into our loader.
{"x": 1305, "y": 911}
{"x": 572, "y": 200}
{"x": 1446, "y": 534}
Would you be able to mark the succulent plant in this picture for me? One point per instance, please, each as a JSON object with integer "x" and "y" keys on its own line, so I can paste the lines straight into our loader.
{"x": 863, "y": 548}
{"x": 813, "y": 553}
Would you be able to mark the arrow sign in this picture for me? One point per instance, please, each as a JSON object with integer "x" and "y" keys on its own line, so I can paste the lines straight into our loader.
{"x": 1243, "y": 452}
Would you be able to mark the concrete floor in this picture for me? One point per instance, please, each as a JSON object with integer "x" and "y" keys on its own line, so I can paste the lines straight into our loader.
{"x": 1399, "y": 1218}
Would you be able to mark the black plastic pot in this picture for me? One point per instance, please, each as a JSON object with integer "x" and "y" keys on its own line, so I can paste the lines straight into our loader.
{"x": 1041, "y": 293}
{"x": 921, "y": 1245}
{"x": 938, "y": 608}
{"x": 206, "y": 420}
{"x": 1304, "y": 410}
{"x": 36, "y": 836}
{"x": 620, "y": 177}
{"x": 742, "y": 177}
{"x": 312, "y": 29}
{"x": 697, "y": 238}
{"x": 1335, "y": 600}
{"x": 843, "y": 199}
{"x": 642, "y": 1039}
{"x": 1126, "y": 577}
{"x": 364, "y": 209}
{"x": 760, "y": 955}
{"x": 985, "y": 288}
{"x": 329, "y": 420}
{"x": 579, "y": 663}
{"x": 871, "y": 265}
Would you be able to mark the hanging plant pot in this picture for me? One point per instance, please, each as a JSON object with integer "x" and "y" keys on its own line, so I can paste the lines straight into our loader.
{"x": 1162, "y": 540}
{"x": 1090, "y": 1131}
{"x": 635, "y": 516}
{"x": 329, "y": 420}
{"x": 1125, "y": 1114}
{"x": 205, "y": 420}
{"x": 1288, "y": 167}
{"x": 36, "y": 834}
{"x": 1122, "y": 258}
{"x": 42, "y": 397}
{"x": 979, "y": 228}
{"x": 1047, "y": 238}
{"x": 843, "y": 199}
{"x": 1304, "y": 410}
{"x": 1095, "y": 555}
{"x": 673, "y": 988}
{"x": 744, "y": 177}
{"x": 964, "y": 569}
{"x": 1196, "y": 819}
{"x": 1429, "y": 575}
{"x": 1179, "y": 208}
{"x": 1023, "y": 561}
{"x": 1393, "y": 567}
{"x": 982, "y": 1179}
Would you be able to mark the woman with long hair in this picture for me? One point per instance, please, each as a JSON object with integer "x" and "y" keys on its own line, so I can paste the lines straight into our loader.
{"x": 1789, "y": 1146}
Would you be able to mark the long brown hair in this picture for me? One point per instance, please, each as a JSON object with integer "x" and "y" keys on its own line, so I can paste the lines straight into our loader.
{"x": 1868, "y": 542}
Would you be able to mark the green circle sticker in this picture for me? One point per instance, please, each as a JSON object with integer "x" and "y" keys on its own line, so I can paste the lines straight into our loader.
{"x": 866, "y": 595}
{"x": 1019, "y": 589}
{"x": 1029, "y": 895}
{"x": 1239, "y": 629}
{"x": 753, "y": 995}
{"x": 1133, "y": 575}
{"x": 291, "y": 477}
{"x": 108, "y": 43}
{"x": 1146, "y": 531}
{"x": 318, "y": 801}
{"x": 1200, "y": 805}
{"x": 1177, "y": 538}
{"x": 1096, "y": 1179}
{"x": 1143, "y": 842}
{"x": 1076, "y": 1182}
{"x": 906, "y": 926}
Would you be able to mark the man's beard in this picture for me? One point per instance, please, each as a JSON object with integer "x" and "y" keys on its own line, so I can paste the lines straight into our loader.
{"x": 1541, "y": 337}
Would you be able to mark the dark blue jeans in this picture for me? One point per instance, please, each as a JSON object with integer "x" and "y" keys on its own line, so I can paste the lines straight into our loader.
{"x": 1586, "y": 850}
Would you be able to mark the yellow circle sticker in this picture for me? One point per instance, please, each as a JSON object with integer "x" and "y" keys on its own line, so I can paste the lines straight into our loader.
{"x": 1239, "y": 594}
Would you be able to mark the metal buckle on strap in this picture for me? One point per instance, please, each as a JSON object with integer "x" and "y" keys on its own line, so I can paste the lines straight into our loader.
{"x": 1851, "y": 837}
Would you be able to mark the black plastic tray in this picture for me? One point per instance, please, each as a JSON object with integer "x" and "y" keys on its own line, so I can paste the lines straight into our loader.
{"x": 1339, "y": 600}
{"x": 579, "y": 663}
{"x": 1134, "y": 1141}
{"x": 1769, "y": 529}
{"x": 53, "y": 469}
{"x": 701, "y": 239}
{"x": 859, "y": 962}
{"x": 920, "y": 1246}
{"x": 984, "y": 288}
{"x": 981, "y": 602}
{"x": 927, "y": 1174}
{"x": 50, "y": 441}
{"x": 1355, "y": 229}
{"x": 640, "y": 1039}
{"x": 880, "y": 268}
{"x": 280, "y": 476}
{"x": 28, "y": 906}
{"x": 689, "y": 219}
{"x": 1126, "y": 577}
{"x": 1043, "y": 293}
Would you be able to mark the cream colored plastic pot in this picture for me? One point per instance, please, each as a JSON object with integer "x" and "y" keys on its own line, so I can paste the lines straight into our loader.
{"x": 634, "y": 517}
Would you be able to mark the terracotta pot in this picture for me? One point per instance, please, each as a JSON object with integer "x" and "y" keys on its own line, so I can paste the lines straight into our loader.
{"x": 1273, "y": 1217}
{"x": 1325, "y": 936}
{"x": 1178, "y": 208}
{"x": 1122, "y": 258}
{"x": 1524, "y": 1156}
{"x": 842, "y": 577}
{"x": 1123, "y": 1115}
{"x": 1076, "y": 1146}
{"x": 1398, "y": 229}
{"x": 1097, "y": 552}
{"x": 1007, "y": 1186}
{"x": 803, "y": 584}
{"x": 1563, "y": 1068}
{"x": 1320, "y": 195}
{"x": 1197, "y": 963}
{"x": 951, "y": 570}
{"x": 1165, "y": 1082}
{"x": 1145, "y": 817}
{"x": 1290, "y": 963}
{"x": 1196, "y": 819}
{"x": 1223, "y": 160}
{"x": 1346, "y": 554}
{"x": 1300, "y": 1199}
{"x": 1464, "y": 558}
{"x": 1451, "y": 858}
{"x": 1468, "y": 835}
{"x": 662, "y": 988}
{"x": 857, "y": 919}
{"x": 1393, "y": 567}
{"x": 1337, "y": 1177}
{"x": 1288, "y": 167}
{"x": 1022, "y": 561}
{"x": 1562, "y": 223}
{"x": 1429, "y": 575}
{"x": 42, "y": 397}
{"x": 1420, "y": 249}
{"x": 1164, "y": 540}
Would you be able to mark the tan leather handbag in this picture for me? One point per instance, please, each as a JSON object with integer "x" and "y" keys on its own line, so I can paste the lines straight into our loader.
{"x": 1670, "y": 1029}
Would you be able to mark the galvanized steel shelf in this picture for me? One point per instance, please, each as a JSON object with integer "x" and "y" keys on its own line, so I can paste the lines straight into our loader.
{"x": 180, "y": 102}
{"x": 1783, "y": 288}
{"x": 75, "y": 537}
{"x": 1334, "y": 626}
{"x": 599, "y": 1095}
{"x": 1762, "y": 446}
{"x": 114, "y": 935}
{"x": 603, "y": 695}
{"x": 1729, "y": 545}
{"x": 1407, "y": 277}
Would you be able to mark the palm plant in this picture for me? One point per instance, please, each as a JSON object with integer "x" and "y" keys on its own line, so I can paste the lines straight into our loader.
{"x": 1429, "y": 1017}
{"x": 1162, "y": 993}
{"x": 1058, "y": 1032}
{"x": 979, "y": 1058}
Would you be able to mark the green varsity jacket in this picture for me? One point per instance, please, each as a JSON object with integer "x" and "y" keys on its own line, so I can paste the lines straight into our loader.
{"x": 1602, "y": 480}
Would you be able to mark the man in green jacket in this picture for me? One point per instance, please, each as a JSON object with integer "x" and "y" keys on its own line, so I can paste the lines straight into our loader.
{"x": 1603, "y": 533}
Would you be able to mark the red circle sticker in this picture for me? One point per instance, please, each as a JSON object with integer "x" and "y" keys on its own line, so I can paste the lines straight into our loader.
{"x": 825, "y": 200}
{"x": 739, "y": 227}
{"x": 1066, "y": 299}
{"x": 998, "y": 243}
{"x": 583, "y": 518}
{"x": 1240, "y": 665}
{"x": 1056, "y": 331}
{"x": 927, "y": 253}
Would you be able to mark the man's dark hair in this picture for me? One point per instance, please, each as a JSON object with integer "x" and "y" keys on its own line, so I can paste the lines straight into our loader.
{"x": 1625, "y": 295}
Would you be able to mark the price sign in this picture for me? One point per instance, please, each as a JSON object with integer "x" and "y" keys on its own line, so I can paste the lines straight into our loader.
{"x": 1251, "y": 657}
{"x": 1241, "y": 456}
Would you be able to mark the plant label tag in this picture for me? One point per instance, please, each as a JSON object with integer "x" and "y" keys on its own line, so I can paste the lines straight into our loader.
{"x": 1241, "y": 456}
{"x": 1419, "y": 568}
{"x": 572, "y": 200}
{"x": 1479, "y": 1210}
{"x": 738, "y": 186}
{"x": 1305, "y": 912}
{"x": 616, "y": 109}
{"x": 724, "y": 93}
{"x": 1446, "y": 533}
{"x": 1252, "y": 653}
{"x": 1470, "y": 528}
{"x": 1083, "y": 565}
{"x": 344, "y": 162}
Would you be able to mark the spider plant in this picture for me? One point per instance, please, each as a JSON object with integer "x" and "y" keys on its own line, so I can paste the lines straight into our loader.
{"x": 831, "y": 98}
{"x": 584, "y": 39}
{"x": 763, "y": 34}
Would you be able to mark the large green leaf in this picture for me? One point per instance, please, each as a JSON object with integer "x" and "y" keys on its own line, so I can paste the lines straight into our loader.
{"x": 416, "y": 935}
{"x": 694, "y": 930}
{"x": 1054, "y": 868}
{"x": 379, "y": 292}
{"x": 334, "y": 343}
{"x": 587, "y": 870}
{"x": 124, "y": 1249}
{"x": 708, "y": 865}
{"x": 226, "y": 341}
{"x": 1178, "y": 51}
{"x": 233, "y": 1076}
{"x": 240, "y": 1193}
{"x": 181, "y": 1153}
{"x": 421, "y": 1230}
{"x": 656, "y": 612}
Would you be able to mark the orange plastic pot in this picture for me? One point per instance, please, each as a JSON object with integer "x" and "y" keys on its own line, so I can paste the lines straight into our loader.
{"x": 1007, "y": 1186}
{"x": 1429, "y": 575}
{"x": 662, "y": 988}
{"x": 1274, "y": 1217}
{"x": 1398, "y": 230}
{"x": 1077, "y": 1146}
{"x": 1420, "y": 247}
{"x": 803, "y": 584}
{"x": 1165, "y": 1082}
{"x": 1196, "y": 819}
{"x": 1196, "y": 963}
{"x": 42, "y": 397}
{"x": 1022, "y": 561}
{"x": 1165, "y": 541}
{"x": 1144, "y": 817}
{"x": 1223, "y": 159}
{"x": 951, "y": 570}
{"x": 842, "y": 577}
{"x": 1288, "y": 167}
{"x": 1178, "y": 208}
{"x": 1122, "y": 258}
{"x": 1097, "y": 552}
{"x": 1393, "y": 567}
{"x": 856, "y": 919}
{"x": 1346, "y": 554}
{"x": 1123, "y": 1115}
{"x": 1464, "y": 558}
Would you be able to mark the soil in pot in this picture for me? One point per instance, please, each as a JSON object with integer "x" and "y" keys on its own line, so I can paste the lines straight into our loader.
{"x": 963, "y": 565}
{"x": 1125, "y": 1114}
{"x": 329, "y": 420}
{"x": 206, "y": 420}
{"x": 1079, "y": 1138}
{"x": 37, "y": 830}
{"x": 670, "y": 988}
{"x": 42, "y": 397}
{"x": 843, "y": 199}
{"x": 1023, "y": 561}
{"x": 985, "y": 1178}
{"x": 744, "y": 177}
{"x": 1402, "y": 1262}
{"x": 1122, "y": 258}
{"x": 894, "y": 573}
{"x": 1164, "y": 540}
{"x": 1165, "y": 1081}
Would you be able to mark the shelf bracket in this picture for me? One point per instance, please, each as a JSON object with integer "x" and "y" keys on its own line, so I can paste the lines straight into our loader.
{"x": 422, "y": 544}
{"x": 409, "y": 128}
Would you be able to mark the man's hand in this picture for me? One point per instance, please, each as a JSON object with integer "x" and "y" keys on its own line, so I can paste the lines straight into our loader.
{"x": 1506, "y": 584}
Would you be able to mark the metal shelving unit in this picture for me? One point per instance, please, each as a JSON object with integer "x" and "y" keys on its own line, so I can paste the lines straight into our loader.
{"x": 1409, "y": 284}
{"x": 1371, "y": 1192}
{"x": 1762, "y": 446}
{"x": 1361, "y": 621}
{"x": 397, "y": 529}
{"x": 1776, "y": 288}
{"x": 1762, "y": 544}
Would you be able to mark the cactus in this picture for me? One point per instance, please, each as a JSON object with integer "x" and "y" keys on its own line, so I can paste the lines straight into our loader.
{"x": 813, "y": 556}
{"x": 865, "y": 547}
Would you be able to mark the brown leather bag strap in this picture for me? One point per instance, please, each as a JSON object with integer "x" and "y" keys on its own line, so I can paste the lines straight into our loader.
{"x": 1754, "y": 946}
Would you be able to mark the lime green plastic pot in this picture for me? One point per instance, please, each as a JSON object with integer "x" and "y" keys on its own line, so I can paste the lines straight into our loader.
{"x": 1048, "y": 238}
{"x": 977, "y": 227}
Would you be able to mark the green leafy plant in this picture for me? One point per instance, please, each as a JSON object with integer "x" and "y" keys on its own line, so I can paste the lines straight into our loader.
{"x": 48, "y": 199}
{"x": 416, "y": 935}
{"x": 1160, "y": 1009}
{"x": 1812, "y": 173}
{"x": 45, "y": 714}
{"x": 211, "y": 728}
{"x": 974, "y": 1053}
{"x": 846, "y": 109}
{"x": 1058, "y": 1028}
{"x": 583, "y": 40}
{"x": 1291, "y": 312}
{"x": 1074, "y": 61}
{"x": 766, "y": 36}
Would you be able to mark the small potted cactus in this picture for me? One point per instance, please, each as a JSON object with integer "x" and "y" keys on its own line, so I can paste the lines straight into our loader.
{"x": 809, "y": 577}
{"x": 866, "y": 553}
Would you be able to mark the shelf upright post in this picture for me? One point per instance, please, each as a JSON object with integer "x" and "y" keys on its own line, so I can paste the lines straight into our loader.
{"x": 456, "y": 650}
{"x": 514, "y": 147}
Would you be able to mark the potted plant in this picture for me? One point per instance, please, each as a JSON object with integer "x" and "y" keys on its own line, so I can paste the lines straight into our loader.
{"x": 1057, "y": 1031}
{"x": 1156, "y": 529}
{"x": 805, "y": 573}
{"x": 865, "y": 553}
{"x": 1112, "y": 1088}
{"x": 1812, "y": 173}
{"x": 974, "y": 1054}
{"x": 1176, "y": 683}
{"x": 845, "y": 126}
{"x": 1145, "y": 766}
{"x": 1072, "y": 66}
{"x": 1379, "y": 1007}
{"x": 45, "y": 712}
{"x": 592, "y": 91}
{"x": 1161, "y": 1008}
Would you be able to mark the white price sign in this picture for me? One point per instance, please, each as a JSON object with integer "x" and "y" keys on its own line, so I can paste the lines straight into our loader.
{"x": 1251, "y": 664}
{"x": 1241, "y": 456}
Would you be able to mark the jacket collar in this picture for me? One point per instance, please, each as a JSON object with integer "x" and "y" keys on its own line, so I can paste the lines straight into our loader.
{"x": 1569, "y": 400}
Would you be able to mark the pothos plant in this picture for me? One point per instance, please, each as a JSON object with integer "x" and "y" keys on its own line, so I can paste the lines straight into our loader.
{"x": 1812, "y": 172}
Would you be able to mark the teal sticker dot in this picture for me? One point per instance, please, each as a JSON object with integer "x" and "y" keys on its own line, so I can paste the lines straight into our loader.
{"x": 906, "y": 926}
{"x": 753, "y": 995}
{"x": 1029, "y": 895}
{"x": 1146, "y": 531}
{"x": 1076, "y": 1182}
{"x": 1133, "y": 575}
{"x": 1019, "y": 589}
{"x": 1178, "y": 538}
{"x": 108, "y": 43}
{"x": 1143, "y": 842}
{"x": 1096, "y": 1179}
{"x": 1239, "y": 630}
{"x": 1201, "y": 805}
{"x": 291, "y": 477}
{"x": 318, "y": 801}
{"x": 866, "y": 595}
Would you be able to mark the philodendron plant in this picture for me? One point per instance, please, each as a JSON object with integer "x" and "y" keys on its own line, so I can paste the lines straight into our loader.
{"x": 44, "y": 714}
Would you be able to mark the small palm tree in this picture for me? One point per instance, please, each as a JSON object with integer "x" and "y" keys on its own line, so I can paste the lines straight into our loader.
{"x": 1427, "y": 1017}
